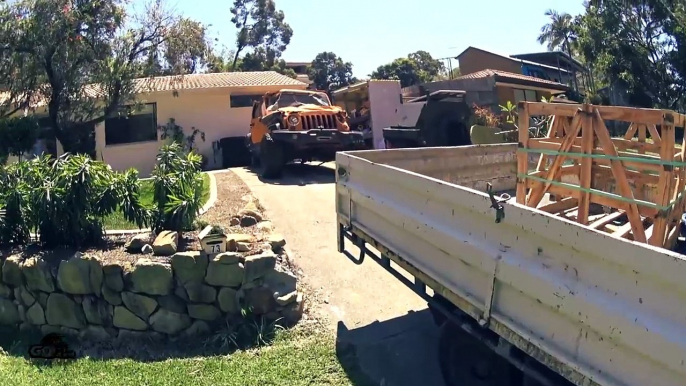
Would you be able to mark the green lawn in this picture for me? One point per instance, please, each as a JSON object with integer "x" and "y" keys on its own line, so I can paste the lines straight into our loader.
{"x": 116, "y": 220}
{"x": 294, "y": 358}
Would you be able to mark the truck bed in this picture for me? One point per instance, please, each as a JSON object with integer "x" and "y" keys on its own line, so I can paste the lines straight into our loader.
{"x": 594, "y": 308}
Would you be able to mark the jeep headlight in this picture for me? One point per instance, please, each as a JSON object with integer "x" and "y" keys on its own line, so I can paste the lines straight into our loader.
{"x": 293, "y": 120}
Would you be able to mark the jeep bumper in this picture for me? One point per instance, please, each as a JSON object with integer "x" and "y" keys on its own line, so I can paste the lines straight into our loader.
{"x": 324, "y": 138}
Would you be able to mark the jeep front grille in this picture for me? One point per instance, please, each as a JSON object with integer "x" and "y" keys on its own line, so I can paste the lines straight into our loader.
{"x": 316, "y": 121}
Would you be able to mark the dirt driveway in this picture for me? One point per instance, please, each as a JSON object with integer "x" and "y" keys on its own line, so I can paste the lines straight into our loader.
{"x": 387, "y": 325}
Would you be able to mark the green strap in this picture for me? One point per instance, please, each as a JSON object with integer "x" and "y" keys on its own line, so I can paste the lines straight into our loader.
{"x": 604, "y": 156}
{"x": 601, "y": 193}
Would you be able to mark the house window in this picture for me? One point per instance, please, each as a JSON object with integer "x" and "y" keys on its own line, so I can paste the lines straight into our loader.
{"x": 132, "y": 126}
{"x": 244, "y": 100}
{"x": 524, "y": 95}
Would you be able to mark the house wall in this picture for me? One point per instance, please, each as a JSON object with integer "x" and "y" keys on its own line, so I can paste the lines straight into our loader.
{"x": 208, "y": 110}
{"x": 473, "y": 60}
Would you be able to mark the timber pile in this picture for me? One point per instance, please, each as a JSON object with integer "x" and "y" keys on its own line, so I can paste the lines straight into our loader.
{"x": 630, "y": 187}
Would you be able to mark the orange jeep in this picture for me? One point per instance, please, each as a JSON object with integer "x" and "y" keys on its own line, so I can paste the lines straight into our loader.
{"x": 298, "y": 124}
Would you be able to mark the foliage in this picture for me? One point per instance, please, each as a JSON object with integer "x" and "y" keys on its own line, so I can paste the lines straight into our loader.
{"x": 635, "y": 45}
{"x": 559, "y": 33}
{"x": 175, "y": 133}
{"x": 541, "y": 124}
{"x": 256, "y": 60}
{"x": 483, "y": 116}
{"x": 260, "y": 60}
{"x": 260, "y": 26}
{"x": 86, "y": 55}
{"x": 328, "y": 72}
{"x": 249, "y": 331}
{"x": 178, "y": 188}
{"x": 185, "y": 53}
{"x": 18, "y": 135}
{"x": 417, "y": 67}
{"x": 64, "y": 200}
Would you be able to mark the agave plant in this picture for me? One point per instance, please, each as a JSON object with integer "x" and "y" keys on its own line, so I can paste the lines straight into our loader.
{"x": 177, "y": 185}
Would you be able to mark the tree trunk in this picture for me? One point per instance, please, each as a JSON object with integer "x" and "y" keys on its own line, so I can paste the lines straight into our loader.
{"x": 77, "y": 139}
{"x": 569, "y": 52}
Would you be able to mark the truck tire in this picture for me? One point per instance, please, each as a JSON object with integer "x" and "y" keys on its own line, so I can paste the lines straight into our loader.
{"x": 466, "y": 361}
{"x": 271, "y": 158}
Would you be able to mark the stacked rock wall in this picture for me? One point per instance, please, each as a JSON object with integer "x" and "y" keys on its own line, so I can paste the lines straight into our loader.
{"x": 186, "y": 294}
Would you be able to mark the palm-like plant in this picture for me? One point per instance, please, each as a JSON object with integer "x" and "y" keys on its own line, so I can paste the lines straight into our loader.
{"x": 559, "y": 33}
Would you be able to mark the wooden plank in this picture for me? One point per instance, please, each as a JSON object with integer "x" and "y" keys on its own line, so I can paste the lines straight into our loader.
{"x": 654, "y": 135}
{"x": 641, "y": 166}
{"x": 522, "y": 157}
{"x": 616, "y": 113}
{"x": 606, "y": 220}
{"x": 634, "y": 146}
{"x": 664, "y": 193}
{"x": 564, "y": 170}
{"x": 585, "y": 175}
{"x": 558, "y": 206}
{"x": 563, "y": 191}
{"x": 552, "y": 131}
{"x": 536, "y": 194}
{"x": 642, "y": 138}
{"x": 624, "y": 144}
{"x": 606, "y": 171}
{"x": 631, "y": 132}
{"x": 624, "y": 230}
{"x": 622, "y": 182}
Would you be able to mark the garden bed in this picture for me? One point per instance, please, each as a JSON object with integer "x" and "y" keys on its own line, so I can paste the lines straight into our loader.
{"x": 106, "y": 292}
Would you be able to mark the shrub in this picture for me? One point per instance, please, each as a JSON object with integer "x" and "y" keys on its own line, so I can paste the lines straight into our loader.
{"x": 483, "y": 116}
{"x": 64, "y": 200}
{"x": 177, "y": 185}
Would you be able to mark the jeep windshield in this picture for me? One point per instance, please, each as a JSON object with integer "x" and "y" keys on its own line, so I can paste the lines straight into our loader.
{"x": 287, "y": 99}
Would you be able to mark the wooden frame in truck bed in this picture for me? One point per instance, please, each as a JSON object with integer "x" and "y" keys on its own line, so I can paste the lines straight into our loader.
{"x": 639, "y": 177}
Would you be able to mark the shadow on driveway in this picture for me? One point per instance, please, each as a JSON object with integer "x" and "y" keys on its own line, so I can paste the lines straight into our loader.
{"x": 301, "y": 175}
{"x": 397, "y": 352}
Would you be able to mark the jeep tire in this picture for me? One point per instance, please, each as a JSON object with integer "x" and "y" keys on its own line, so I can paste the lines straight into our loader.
{"x": 271, "y": 159}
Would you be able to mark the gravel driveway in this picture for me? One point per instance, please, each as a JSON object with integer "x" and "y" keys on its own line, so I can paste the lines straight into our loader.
{"x": 387, "y": 324}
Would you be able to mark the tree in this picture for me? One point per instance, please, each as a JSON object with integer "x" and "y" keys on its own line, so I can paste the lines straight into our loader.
{"x": 260, "y": 25}
{"x": 559, "y": 33}
{"x": 418, "y": 67}
{"x": 18, "y": 135}
{"x": 638, "y": 46}
{"x": 259, "y": 60}
{"x": 187, "y": 49}
{"x": 83, "y": 58}
{"x": 329, "y": 72}
{"x": 427, "y": 64}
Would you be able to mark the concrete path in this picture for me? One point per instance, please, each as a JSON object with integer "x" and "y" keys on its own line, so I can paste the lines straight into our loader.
{"x": 387, "y": 324}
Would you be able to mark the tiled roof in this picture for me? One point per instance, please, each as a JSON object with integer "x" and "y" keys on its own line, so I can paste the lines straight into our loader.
{"x": 194, "y": 81}
{"x": 504, "y": 75}
{"x": 215, "y": 80}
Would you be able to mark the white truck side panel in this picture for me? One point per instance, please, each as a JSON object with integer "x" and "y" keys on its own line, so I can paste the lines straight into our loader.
{"x": 610, "y": 310}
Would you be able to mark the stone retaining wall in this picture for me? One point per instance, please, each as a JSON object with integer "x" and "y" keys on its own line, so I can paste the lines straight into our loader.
{"x": 187, "y": 294}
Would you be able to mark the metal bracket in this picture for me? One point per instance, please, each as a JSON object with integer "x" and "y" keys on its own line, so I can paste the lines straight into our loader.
{"x": 497, "y": 203}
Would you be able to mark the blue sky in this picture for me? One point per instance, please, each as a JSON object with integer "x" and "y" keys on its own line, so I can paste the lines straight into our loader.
{"x": 370, "y": 33}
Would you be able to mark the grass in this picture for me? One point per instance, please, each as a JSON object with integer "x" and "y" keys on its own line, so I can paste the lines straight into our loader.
{"x": 117, "y": 221}
{"x": 295, "y": 357}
